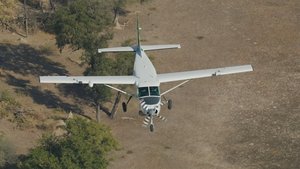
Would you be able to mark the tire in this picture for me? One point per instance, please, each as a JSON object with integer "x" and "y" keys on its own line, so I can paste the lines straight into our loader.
{"x": 151, "y": 127}
{"x": 170, "y": 104}
{"x": 124, "y": 106}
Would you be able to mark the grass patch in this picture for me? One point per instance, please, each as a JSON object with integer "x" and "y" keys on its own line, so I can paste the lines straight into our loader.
{"x": 8, "y": 104}
{"x": 7, "y": 152}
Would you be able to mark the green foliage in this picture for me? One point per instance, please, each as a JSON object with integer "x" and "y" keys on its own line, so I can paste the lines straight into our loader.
{"x": 8, "y": 104}
{"x": 99, "y": 66}
{"x": 83, "y": 24}
{"x": 85, "y": 145}
{"x": 7, "y": 98}
{"x": 86, "y": 25}
{"x": 7, "y": 153}
{"x": 124, "y": 61}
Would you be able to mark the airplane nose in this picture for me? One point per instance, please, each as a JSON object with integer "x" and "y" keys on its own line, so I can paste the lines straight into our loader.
{"x": 152, "y": 111}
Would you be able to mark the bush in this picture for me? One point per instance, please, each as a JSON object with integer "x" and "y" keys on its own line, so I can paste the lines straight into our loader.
{"x": 7, "y": 153}
{"x": 85, "y": 145}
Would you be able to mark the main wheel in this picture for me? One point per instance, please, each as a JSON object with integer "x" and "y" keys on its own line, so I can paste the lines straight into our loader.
{"x": 124, "y": 106}
{"x": 170, "y": 104}
{"x": 151, "y": 127}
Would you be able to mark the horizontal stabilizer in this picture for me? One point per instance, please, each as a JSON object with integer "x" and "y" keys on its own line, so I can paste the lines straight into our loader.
{"x": 160, "y": 47}
{"x": 144, "y": 47}
{"x": 117, "y": 49}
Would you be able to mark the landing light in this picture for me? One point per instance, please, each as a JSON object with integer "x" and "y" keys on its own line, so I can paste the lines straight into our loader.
{"x": 91, "y": 84}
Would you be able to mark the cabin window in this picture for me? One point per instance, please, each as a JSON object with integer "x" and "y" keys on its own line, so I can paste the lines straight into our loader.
{"x": 154, "y": 91}
{"x": 143, "y": 91}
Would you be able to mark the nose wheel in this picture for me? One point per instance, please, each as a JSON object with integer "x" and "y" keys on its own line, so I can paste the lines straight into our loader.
{"x": 148, "y": 121}
{"x": 151, "y": 127}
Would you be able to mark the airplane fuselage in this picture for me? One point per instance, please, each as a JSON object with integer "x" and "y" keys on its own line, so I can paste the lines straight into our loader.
{"x": 148, "y": 90}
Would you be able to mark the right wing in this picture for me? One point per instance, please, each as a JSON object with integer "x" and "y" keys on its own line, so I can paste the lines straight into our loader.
{"x": 177, "y": 76}
{"x": 89, "y": 79}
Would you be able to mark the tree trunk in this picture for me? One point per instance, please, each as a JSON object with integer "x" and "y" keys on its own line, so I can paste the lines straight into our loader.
{"x": 26, "y": 17}
{"x": 98, "y": 109}
{"x": 52, "y": 5}
{"x": 115, "y": 107}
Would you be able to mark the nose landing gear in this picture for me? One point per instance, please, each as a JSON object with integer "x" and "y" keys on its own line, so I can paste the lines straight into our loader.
{"x": 151, "y": 127}
{"x": 148, "y": 121}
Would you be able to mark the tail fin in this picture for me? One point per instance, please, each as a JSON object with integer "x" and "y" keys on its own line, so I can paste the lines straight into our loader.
{"x": 139, "y": 47}
{"x": 138, "y": 29}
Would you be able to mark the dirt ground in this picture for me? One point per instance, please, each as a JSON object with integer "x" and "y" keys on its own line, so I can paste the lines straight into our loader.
{"x": 249, "y": 121}
{"x": 246, "y": 120}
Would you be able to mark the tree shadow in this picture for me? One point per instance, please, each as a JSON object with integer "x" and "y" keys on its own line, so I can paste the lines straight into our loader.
{"x": 42, "y": 97}
{"x": 78, "y": 91}
{"x": 24, "y": 59}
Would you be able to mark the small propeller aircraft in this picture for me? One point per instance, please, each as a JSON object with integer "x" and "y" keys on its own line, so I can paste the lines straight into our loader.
{"x": 146, "y": 79}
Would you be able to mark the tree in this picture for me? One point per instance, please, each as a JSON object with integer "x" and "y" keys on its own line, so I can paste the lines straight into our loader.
{"x": 83, "y": 24}
{"x": 86, "y": 25}
{"x": 99, "y": 65}
{"x": 85, "y": 145}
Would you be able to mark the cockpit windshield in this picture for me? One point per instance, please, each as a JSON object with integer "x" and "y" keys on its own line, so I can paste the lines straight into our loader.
{"x": 144, "y": 91}
{"x": 154, "y": 91}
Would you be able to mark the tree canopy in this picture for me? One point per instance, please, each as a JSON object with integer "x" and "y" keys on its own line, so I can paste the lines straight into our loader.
{"x": 87, "y": 25}
{"x": 83, "y": 24}
{"x": 85, "y": 145}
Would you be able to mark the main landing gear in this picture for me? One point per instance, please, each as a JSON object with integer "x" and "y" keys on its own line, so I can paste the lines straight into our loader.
{"x": 124, "y": 105}
{"x": 168, "y": 102}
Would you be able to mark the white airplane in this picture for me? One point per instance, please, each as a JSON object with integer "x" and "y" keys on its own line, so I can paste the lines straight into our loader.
{"x": 146, "y": 79}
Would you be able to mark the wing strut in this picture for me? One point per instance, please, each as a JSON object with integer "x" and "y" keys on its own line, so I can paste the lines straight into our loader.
{"x": 174, "y": 88}
{"x": 118, "y": 89}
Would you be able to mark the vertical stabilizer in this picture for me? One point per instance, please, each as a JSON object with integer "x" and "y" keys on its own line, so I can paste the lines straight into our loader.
{"x": 138, "y": 29}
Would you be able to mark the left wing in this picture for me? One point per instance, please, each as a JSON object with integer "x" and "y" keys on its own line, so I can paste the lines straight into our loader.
{"x": 177, "y": 76}
{"x": 89, "y": 79}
